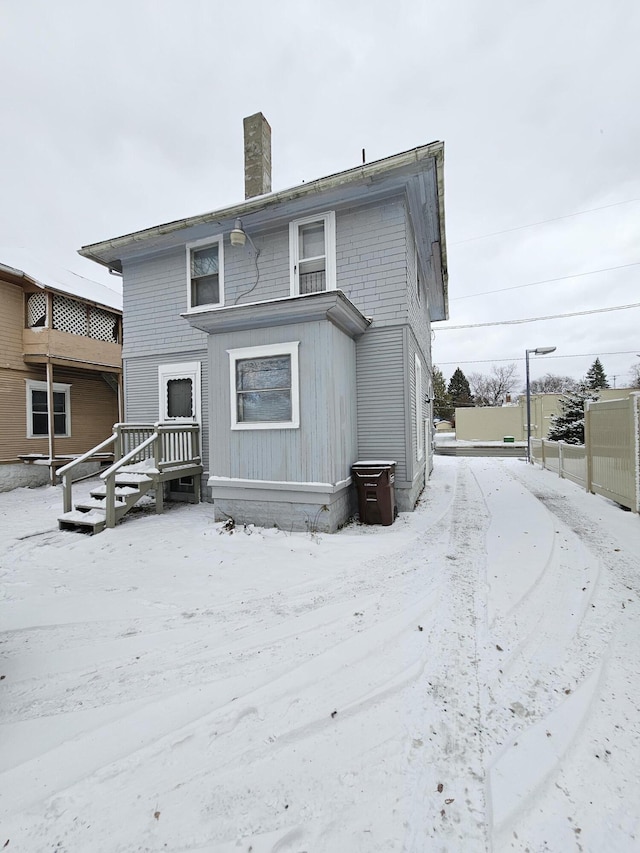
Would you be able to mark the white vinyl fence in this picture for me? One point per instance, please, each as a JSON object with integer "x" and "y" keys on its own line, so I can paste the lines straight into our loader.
{"x": 608, "y": 463}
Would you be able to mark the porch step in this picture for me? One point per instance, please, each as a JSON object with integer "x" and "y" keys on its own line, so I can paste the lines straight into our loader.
{"x": 100, "y": 506}
{"x": 120, "y": 491}
{"x": 126, "y": 475}
{"x": 96, "y": 503}
{"x": 92, "y": 522}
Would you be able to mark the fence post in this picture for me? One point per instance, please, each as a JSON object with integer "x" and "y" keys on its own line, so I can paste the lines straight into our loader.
{"x": 588, "y": 450}
{"x": 544, "y": 461}
{"x": 560, "y": 459}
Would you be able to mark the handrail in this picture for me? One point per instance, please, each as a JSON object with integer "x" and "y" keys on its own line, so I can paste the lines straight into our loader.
{"x": 130, "y": 455}
{"x": 110, "y": 479}
{"x": 85, "y": 456}
{"x": 64, "y": 472}
{"x": 161, "y": 433}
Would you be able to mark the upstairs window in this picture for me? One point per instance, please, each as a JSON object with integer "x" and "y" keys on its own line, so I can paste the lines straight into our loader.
{"x": 38, "y": 410}
{"x": 205, "y": 274}
{"x": 264, "y": 387}
{"x": 312, "y": 252}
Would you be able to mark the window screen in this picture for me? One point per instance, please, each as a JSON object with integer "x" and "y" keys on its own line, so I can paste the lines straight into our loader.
{"x": 179, "y": 398}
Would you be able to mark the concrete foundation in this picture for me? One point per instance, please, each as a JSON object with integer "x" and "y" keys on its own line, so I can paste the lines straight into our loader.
{"x": 23, "y": 475}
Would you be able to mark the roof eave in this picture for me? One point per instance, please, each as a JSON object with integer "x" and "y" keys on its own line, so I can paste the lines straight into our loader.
{"x": 108, "y": 252}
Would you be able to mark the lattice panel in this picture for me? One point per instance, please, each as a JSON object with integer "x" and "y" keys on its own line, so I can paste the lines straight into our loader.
{"x": 103, "y": 325}
{"x": 69, "y": 315}
{"x": 36, "y": 310}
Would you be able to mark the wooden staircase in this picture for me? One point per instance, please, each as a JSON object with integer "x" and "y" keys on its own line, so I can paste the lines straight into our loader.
{"x": 147, "y": 457}
{"x": 92, "y": 514}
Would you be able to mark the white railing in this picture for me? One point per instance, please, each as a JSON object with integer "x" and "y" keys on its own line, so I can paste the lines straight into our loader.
{"x": 160, "y": 447}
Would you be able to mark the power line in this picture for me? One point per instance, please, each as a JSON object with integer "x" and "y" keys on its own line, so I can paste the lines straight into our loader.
{"x": 544, "y": 221}
{"x": 536, "y": 319}
{"x": 571, "y": 355}
{"x": 547, "y": 281}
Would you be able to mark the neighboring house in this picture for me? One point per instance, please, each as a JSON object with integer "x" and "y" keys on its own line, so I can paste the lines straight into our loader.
{"x": 60, "y": 367}
{"x": 295, "y": 327}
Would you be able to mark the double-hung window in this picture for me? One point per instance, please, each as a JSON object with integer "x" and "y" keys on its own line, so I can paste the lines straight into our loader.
{"x": 265, "y": 387}
{"x": 419, "y": 410}
{"x": 312, "y": 254}
{"x": 38, "y": 409}
{"x": 205, "y": 274}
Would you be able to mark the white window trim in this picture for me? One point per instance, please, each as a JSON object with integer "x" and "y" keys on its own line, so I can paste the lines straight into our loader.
{"x": 202, "y": 244}
{"x": 180, "y": 370}
{"x": 59, "y": 388}
{"x": 289, "y": 348}
{"x": 329, "y": 220}
{"x": 419, "y": 410}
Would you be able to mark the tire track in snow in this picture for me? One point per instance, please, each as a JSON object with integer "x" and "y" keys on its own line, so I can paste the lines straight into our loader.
{"x": 558, "y": 674}
{"x": 449, "y": 799}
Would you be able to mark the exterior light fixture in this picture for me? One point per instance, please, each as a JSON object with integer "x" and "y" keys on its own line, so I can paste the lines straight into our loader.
{"x": 537, "y": 351}
{"x": 238, "y": 237}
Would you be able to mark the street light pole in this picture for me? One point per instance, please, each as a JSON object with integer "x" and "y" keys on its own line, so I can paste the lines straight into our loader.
{"x": 536, "y": 351}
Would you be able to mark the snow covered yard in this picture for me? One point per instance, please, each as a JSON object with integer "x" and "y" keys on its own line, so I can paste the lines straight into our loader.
{"x": 465, "y": 680}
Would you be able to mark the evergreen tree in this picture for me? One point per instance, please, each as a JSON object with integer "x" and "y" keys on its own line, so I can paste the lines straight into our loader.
{"x": 442, "y": 407}
{"x": 596, "y": 377}
{"x": 569, "y": 424}
{"x": 459, "y": 390}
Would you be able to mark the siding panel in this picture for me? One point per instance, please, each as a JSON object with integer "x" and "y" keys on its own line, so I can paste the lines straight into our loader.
{"x": 380, "y": 368}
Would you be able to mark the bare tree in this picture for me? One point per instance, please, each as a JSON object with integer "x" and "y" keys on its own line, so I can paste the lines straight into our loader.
{"x": 492, "y": 390}
{"x": 551, "y": 383}
{"x": 635, "y": 375}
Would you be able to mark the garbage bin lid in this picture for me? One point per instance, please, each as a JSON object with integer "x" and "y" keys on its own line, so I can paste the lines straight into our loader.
{"x": 366, "y": 463}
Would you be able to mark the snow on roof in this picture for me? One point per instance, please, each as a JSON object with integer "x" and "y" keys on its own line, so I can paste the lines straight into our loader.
{"x": 46, "y": 274}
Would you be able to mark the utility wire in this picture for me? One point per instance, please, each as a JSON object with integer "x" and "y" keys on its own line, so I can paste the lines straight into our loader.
{"x": 546, "y": 281}
{"x": 543, "y": 221}
{"x": 571, "y": 355}
{"x": 536, "y": 319}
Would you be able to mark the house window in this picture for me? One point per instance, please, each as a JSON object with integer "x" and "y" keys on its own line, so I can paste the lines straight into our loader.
{"x": 205, "y": 274}
{"x": 265, "y": 387}
{"x": 179, "y": 392}
{"x": 38, "y": 409}
{"x": 419, "y": 415}
{"x": 312, "y": 254}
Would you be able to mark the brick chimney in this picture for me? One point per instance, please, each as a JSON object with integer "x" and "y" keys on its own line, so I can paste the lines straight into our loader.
{"x": 257, "y": 156}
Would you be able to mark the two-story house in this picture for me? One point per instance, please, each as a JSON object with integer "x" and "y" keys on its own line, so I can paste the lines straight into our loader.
{"x": 60, "y": 367}
{"x": 295, "y": 328}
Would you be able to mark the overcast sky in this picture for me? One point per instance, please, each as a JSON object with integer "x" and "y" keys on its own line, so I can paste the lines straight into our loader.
{"x": 122, "y": 115}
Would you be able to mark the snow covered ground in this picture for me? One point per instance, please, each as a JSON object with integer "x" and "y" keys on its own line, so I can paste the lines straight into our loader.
{"x": 466, "y": 680}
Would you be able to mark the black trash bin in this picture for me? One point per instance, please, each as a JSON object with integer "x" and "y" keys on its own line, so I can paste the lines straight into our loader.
{"x": 376, "y": 491}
